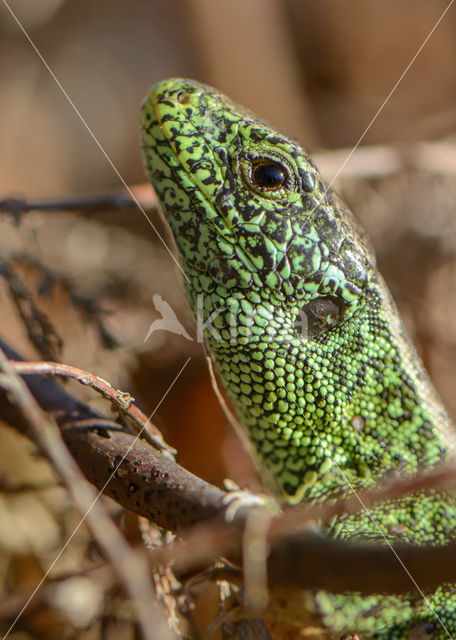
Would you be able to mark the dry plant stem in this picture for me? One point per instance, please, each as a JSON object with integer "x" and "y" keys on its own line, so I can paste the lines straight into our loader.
{"x": 93, "y": 203}
{"x": 429, "y": 158}
{"x": 129, "y": 565}
{"x": 40, "y": 329}
{"x": 308, "y": 560}
{"x": 159, "y": 489}
{"x": 442, "y": 478}
{"x": 147, "y": 482}
{"x": 123, "y": 401}
{"x": 169, "y": 495}
{"x": 91, "y": 310}
{"x": 432, "y": 158}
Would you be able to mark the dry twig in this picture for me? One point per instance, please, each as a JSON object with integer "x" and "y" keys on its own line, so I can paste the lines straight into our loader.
{"x": 120, "y": 399}
{"x": 157, "y": 488}
{"x": 93, "y": 203}
{"x": 128, "y": 564}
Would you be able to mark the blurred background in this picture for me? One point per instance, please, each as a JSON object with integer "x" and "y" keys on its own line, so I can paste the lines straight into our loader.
{"x": 318, "y": 70}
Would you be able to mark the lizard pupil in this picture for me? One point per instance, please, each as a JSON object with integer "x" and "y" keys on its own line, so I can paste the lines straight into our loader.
{"x": 268, "y": 174}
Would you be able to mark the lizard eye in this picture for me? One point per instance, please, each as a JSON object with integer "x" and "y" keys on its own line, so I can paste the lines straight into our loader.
{"x": 268, "y": 174}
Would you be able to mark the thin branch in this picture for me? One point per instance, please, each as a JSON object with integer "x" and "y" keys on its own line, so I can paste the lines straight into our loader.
{"x": 157, "y": 488}
{"x": 90, "y": 307}
{"x": 38, "y": 325}
{"x": 120, "y": 399}
{"x": 147, "y": 482}
{"x": 92, "y": 203}
{"x": 434, "y": 158}
{"x": 128, "y": 564}
{"x": 442, "y": 478}
{"x": 309, "y": 560}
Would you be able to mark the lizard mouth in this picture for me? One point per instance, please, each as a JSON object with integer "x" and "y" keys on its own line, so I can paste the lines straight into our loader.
{"x": 179, "y": 134}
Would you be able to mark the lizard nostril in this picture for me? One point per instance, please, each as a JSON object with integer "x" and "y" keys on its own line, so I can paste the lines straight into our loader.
{"x": 183, "y": 97}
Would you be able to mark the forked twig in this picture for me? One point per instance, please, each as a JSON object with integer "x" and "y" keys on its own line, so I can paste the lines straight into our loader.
{"x": 120, "y": 399}
{"x": 159, "y": 489}
{"x": 129, "y": 564}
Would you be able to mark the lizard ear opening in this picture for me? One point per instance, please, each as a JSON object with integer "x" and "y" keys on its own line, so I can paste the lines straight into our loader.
{"x": 319, "y": 316}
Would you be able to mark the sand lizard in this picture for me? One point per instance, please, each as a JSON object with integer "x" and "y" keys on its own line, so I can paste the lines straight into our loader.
{"x": 304, "y": 336}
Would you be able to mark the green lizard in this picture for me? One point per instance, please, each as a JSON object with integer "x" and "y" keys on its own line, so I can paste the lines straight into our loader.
{"x": 304, "y": 336}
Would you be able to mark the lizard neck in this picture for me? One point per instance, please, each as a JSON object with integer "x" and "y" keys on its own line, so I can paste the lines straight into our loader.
{"x": 331, "y": 412}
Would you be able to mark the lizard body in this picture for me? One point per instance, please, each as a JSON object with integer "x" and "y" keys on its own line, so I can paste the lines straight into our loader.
{"x": 303, "y": 334}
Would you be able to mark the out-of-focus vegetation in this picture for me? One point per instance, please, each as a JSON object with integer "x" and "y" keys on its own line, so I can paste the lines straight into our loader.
{"x": 320, "y": 71}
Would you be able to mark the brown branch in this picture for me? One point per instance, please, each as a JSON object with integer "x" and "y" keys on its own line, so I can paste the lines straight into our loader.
{"x": 157, "y": 488}
{"x": 141, "y": 479}
{"x": 166, "y": 493}
{"x": 443, "y": 478}
{"x": 309, "y": 560}
{"x": 120, "y": 399}
{"x": 92, "y": 203}
{"x": 437, "y": 157}
{"x": 128, "y": 564}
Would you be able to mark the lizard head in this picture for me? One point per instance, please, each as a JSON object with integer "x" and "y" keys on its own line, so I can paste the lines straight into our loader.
{"x": 262, "y": 239}
{"x": 246, "y": 205}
